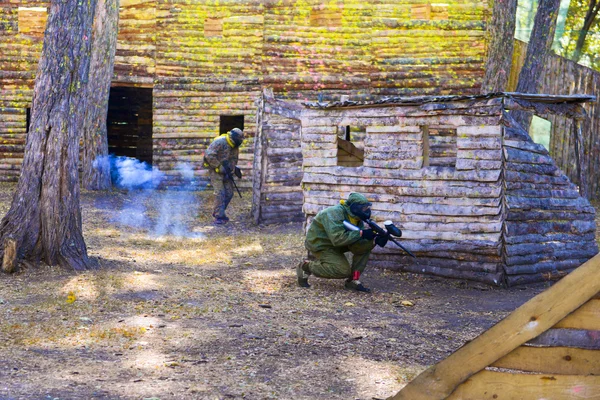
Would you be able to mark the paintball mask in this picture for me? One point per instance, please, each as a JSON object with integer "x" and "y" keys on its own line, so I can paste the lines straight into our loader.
{"x": 362, "y": 211}
{"x": 237, "y": 136}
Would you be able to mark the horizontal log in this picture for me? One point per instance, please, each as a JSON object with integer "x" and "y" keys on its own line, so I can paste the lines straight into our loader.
{"x": 552, "y": 255}
{"x": 558, "y": 237}
{"x": 551, "y": 360}
{"x": 514, "y": 228}
{"x": 404, "y": 264}
{"x": 549, "y": 247}
{"x": 586, "y": 317}
{"x": 488, "y": 385}
{"x": 527, "y": 203}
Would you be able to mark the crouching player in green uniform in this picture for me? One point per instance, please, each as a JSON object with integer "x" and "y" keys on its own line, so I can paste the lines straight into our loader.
{"x": 327, "y": 240}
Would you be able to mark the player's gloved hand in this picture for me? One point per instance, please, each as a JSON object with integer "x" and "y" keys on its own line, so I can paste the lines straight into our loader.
{"x": 238, "y": 172}
{"x": 367, "y": 234}
{"x": 226, "y": 167}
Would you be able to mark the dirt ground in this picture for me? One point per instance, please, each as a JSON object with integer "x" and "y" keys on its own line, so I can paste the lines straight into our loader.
{"x": 216, "y": 314}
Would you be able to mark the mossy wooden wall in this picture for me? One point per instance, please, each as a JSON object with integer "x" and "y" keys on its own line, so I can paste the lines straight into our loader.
{"x": 209, "y": 58}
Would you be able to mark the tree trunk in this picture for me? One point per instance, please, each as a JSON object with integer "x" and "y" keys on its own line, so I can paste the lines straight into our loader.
{"x": 501, "y": 33}
{"x": 44, "y": 220}
{"x": 540, "y": 45}
{"x": 590, "y": 17}
{"x": 96, "y": 168}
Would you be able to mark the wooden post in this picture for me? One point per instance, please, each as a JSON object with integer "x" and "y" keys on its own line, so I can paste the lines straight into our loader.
{"x": 258, "y": 164}
{"x": 580, "y": 158}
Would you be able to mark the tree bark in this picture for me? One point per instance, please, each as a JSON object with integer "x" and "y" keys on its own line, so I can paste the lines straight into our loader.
{"x": 44, "y": 220}
{"x": 500, "y": 51}
{"x": 590, "y": 18}
{"x": 96, "y": 168}
{"x": 540, "y": 45}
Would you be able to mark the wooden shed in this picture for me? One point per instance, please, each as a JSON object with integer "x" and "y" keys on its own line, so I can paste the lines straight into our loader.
{"x": 195, "y": 68}
{"x": 549, "y": 348}
{"x": 475, "y": 197}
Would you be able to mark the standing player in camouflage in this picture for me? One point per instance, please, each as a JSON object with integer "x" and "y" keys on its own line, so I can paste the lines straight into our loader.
{"x": 220, "y": 157}
{"x": 327, "y": 240}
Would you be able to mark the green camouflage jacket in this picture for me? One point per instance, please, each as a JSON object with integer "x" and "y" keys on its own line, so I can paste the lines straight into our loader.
{"x": 327, "y": 229}
{"x": 218, "y": 151}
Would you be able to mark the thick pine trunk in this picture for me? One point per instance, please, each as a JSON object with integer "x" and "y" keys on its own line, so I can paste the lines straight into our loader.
{"x": 44, "y": 220}
{"x": 96, "y": 169}
{"x": 500, "y": 49}
{"x": 540, "y": 44}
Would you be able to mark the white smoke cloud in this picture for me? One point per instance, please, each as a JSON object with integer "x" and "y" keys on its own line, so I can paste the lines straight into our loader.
{"x": 175, "y": 209}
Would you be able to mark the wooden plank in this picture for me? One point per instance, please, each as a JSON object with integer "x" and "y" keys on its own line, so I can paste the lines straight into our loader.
{"x": 585, "y": 317}
{"x": 527, "y": 322}
{"x": 503, "y": 385}
{"x": 552, "y": 360}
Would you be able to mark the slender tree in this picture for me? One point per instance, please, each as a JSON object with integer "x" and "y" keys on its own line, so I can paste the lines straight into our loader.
{"x": 500, "y": 49}
{"x": 540, "y": 45}
{"x": 44, "y": 220}
{"x": 96, "y": 169}
{"x": 588, "y": 21}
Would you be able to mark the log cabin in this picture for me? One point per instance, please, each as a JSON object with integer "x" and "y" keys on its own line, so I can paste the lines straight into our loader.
{"x": 475, "y": 197}
{"x": 186, "y": 71}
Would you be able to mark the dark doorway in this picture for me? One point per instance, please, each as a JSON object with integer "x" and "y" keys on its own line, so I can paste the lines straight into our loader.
{"x": 129, "y": 123}
{"x": 228, "y": 122}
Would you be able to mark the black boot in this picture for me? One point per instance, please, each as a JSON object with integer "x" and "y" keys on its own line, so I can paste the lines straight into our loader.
{"x": 302, "y": 273}
{"x": 354, "y": 284}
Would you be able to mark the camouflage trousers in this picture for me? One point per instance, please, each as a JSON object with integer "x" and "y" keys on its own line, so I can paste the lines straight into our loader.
{"x": 332, "y": 263}
{"x": 223, "y": 188}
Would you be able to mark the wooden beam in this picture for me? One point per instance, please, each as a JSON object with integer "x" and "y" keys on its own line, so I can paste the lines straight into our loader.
{"x": 552, "y": 360}
{"x": 504, "y": 385}
{"x": 527, "y": 322}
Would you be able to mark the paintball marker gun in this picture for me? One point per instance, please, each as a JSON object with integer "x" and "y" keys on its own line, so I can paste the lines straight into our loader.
{"x": 388, "y": 233}
{"x": 229, "y": 176}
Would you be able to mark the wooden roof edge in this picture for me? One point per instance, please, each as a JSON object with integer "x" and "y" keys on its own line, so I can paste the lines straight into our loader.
{"x": 420, "y": 100}
{"x": 281, "y": 107}
{"x": 525, "y": 323}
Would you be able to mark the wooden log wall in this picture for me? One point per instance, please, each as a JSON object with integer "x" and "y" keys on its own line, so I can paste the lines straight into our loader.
{"x": 281, "y": 158}
{"x": 21, "y": 34}
{"x": 135, "y": 57}
{"x": 208, "y": 64}
{"x": 428, "y": 48}
{"x": 209, "y": 58}
{"x": 451, "y": 217}
{"x": 562, "y": 76}
{"x": 550, "y": 228}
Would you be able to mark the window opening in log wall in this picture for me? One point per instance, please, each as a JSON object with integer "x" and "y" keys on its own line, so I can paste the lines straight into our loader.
{"x": 213, "y": 27}
{"x": 439, "y": 146}
{"x": 32, "y": 21}
{"x": 129, "y": 123}
{"x": 228, "y": 122}
{"x": 326, "y": 16}
{"x": 540, "y": 131}
{"x": 27, "y": 119}
{"x": 350, "y": 151}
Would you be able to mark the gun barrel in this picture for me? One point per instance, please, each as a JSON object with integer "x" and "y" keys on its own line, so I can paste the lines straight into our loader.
{"x": 402, "y": 247}
{"x": 230, "y": 177}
